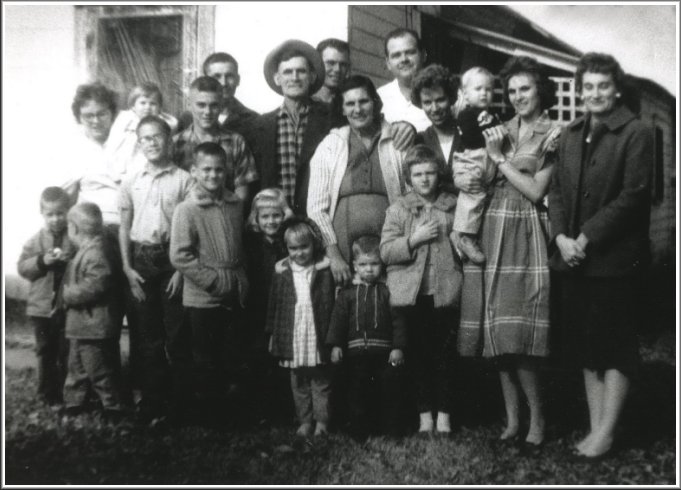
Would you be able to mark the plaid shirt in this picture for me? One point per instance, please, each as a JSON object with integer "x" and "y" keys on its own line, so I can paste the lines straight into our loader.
{"x": 289, "y": 144}
{"x": 240, "y": 163}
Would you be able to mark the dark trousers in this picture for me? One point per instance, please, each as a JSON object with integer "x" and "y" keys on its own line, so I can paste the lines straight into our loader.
{"x": 162, "y": 333}
{"x": 92, "y": 367}
{"x": 122, "y": 292}
{"x": 432, "y": 350}
{"x": 52, "y": 350}
{"x": 215, "y": 351}
{"x": 374, "y": 394}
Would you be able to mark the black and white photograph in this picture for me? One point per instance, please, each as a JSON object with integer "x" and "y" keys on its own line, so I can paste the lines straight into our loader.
{"x": 340, "y": 244}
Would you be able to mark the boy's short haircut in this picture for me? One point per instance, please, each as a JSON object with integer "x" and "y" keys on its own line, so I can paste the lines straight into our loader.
{"x": 267, "y": 198}
{"x": 146, "y": 89}
{"x": 209, "y": 148}
{"x": 476, "y": 70}
{"x": 87, "y": 217}
{"x": 158, "y": 121}
{"x": 402, "y": 32}
{"x": 55, "y": 194}
{"x": 219, "y": 57}
{"x": 334, "y": 43}
{"x": 206, "y": 84}
{"x": 430, "y": 77}
{"x": 424, "y": 154}
{"x": 366, "y": 245}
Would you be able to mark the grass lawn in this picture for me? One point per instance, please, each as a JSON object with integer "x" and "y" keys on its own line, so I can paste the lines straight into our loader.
{"x": 43, "y": 448}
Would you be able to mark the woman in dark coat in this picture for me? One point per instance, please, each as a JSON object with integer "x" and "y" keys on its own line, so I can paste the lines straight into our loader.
{"x": 599, "y": 207}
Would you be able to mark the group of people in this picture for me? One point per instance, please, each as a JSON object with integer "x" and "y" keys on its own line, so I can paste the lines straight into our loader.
{"x": 387, "y": 230}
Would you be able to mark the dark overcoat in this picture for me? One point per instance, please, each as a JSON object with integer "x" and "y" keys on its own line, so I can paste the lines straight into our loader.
{"x": 261, "y": 135}
{"x": 603, "y": 190}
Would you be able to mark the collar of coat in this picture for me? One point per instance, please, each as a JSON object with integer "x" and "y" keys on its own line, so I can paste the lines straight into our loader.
{"x": 357, "y": 281}
{"x": 445, "y": 201}
{"x": 204, "y": 199}
{"x": 620, "y": 116}
{"x": 285, "y": 264}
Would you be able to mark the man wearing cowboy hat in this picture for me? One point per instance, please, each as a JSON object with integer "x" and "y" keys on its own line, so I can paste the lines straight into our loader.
{"x": 284, "y": 140}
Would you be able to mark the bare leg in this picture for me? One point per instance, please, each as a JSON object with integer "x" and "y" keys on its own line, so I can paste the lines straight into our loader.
{"x": 509, "y": 389}
{"x": 616, "y": 389}
{"x": 594, "y": 386}
{"x": 529, "y": 381}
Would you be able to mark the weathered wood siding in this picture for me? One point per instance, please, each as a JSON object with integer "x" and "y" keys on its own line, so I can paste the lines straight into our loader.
{"x": 659, "y": 114}
{"x": 368, "y": 26}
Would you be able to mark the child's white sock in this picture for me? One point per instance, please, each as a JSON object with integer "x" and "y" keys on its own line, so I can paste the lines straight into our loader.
{"x": 426, "y": 424}
{"x": 443, "y": 424}
{"x": 320, "y": 429}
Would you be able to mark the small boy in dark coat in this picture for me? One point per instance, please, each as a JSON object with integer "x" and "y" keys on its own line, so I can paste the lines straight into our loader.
{"x": 93, "y": 315}
{"x": 373, "y": 336}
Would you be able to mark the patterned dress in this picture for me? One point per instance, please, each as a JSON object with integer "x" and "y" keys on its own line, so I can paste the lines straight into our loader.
{"x": 505, "y": 303}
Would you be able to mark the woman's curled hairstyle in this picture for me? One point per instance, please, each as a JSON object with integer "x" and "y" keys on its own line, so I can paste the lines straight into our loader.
{"x": 546, "y": 88}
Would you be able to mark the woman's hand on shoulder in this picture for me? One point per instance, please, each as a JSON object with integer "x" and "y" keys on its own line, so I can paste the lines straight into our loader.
{"x": 339, "y": 267}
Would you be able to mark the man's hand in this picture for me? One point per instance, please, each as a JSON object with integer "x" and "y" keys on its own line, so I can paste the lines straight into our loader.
{"x": 336, "y": 355}
{"x": 135, "y": 281}
{"x": 403, "y": 135}
{"x": 174, "y": 285}
{"x": 396, "y": 357}
{"x": 339, "y": 267}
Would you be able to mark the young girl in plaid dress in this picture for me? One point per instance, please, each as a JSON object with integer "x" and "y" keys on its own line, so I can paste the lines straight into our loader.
{"x": 298, "y": 316}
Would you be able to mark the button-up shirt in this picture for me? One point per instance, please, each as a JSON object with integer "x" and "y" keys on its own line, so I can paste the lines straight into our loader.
{"x": 241, "y": 169}
{"x": 397, "y": 108}
{"x": 289, "y": 143}
{"x": 152, "y": 194}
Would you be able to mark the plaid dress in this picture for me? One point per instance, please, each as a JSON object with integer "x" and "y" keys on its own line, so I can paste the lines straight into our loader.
{"x": 305, "y": 353}
{"x": 505, "y": 303}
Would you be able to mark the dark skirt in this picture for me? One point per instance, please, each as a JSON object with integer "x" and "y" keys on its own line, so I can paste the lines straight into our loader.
{"x": 598, "y": 320}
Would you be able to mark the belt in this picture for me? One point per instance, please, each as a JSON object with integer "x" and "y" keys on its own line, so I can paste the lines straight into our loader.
{"x": 153, "y": 247}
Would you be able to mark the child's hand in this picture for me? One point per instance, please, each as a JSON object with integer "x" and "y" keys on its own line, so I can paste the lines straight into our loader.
{"x": 396, "y": 357}
{"x": 174, "y": 285}
{"x": 50, "y": 257}
{"x": 423, "y": 233}
{"x": 485, "y": 119}
{"x": 551, "y": 143}
{"x": 136, "y": 282}
{"x": 336, "y": 355}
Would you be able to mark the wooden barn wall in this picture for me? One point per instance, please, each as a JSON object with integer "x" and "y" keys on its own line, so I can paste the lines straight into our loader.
{"x": 658, "y": 113}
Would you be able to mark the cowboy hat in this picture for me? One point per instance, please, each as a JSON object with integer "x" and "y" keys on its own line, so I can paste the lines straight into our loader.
{"x": 313, "y": 58}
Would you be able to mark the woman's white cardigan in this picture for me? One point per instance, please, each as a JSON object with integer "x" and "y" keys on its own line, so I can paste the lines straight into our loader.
{"x": 328, "y": 166}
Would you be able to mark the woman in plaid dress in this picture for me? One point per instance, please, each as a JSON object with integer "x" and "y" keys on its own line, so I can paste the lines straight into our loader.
{"x": 505, "y": 304}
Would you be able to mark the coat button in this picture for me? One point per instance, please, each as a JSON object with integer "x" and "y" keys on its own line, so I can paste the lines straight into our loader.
{"x": 586, "y": 194}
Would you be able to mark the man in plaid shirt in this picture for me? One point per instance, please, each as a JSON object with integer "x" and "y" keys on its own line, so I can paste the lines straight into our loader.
{"x": 205, "y": 97}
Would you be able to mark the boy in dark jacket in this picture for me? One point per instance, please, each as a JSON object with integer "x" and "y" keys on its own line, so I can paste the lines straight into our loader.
{"x": 93, "y": 315}
{"x": 43, "y": 261}
{"x": 373, "y": 335}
